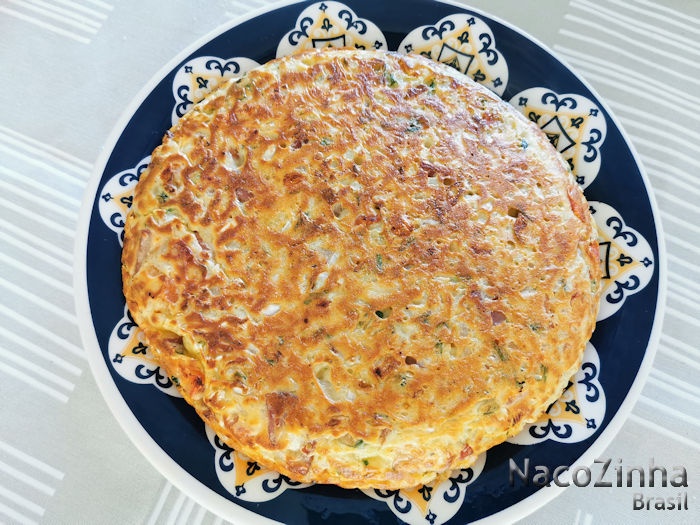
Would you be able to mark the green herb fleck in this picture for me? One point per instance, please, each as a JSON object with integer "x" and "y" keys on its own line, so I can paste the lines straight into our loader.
{"x": 325, "y": 141}
{"x": 358, "y": 443}
{"x": 175, "y": 380}
{"x": 379, "y": 260}
{"x": 523, "y": 143}
{"x": 390, "y": 79}
{"x": 162, "y": 197}
{"x": 502, "y": 355}
{"x": 543, "y": 373}
{"x": 413, "y": 126}
{"x": 535, "y": 327}
{"x": 490, "y": 407}
{"x": 365, "y": 462}
{"x": 439, "y": 346}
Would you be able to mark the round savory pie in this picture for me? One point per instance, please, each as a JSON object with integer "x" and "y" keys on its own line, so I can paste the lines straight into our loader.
{"x": 361, "y": 268}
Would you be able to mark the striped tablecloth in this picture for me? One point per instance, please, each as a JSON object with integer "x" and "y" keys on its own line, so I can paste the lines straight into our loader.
{"x": 68, "y": 68}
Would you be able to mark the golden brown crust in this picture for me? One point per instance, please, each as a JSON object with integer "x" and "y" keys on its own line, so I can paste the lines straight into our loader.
{"x": 362, "y": 268}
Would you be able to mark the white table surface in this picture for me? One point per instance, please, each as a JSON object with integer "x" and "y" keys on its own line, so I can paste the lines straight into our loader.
{"x": 67, "y": 71}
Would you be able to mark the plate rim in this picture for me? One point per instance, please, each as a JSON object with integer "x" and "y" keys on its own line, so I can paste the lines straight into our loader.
{"x": 189, "y": 484}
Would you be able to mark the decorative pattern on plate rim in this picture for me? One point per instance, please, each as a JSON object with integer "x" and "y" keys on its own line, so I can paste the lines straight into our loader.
{"x": 331, "y": 24}
{"x": 464, "y": 42}
{"x": 574, "y": 124}
{"x": 198, "y": 77}
{"x": 130, "y": 358}
{"x": 116, "y": 197}
{"x": 577, "y": 414}
{"x": 434, "y": 503}
{"x": 244, "y": 478}
{"x": 626, "y": 257}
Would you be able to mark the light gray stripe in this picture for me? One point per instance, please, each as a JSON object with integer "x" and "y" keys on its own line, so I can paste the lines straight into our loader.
{"x": 665, "y": 409}
{"x": 26, "y": 479}
{"x": 689, "y": 319}
{"x": 658, "y": 120}
{"x": 53, "y": 15}
{"x": 684, "y": 286}
{"x": 647, "y": 14}
{"x": 665, "y": 150}
{"x": 680, "y": 222}
{"x": 669, "y": 11}
{"x": 69, "y": 200}
{"x": 79, "y": 7}
{"x": 39, "y": 301}
{"x": 33, "y": 368}
{"x": 39, "y": 254}
{"x": 609, "y": 48}
{"x": 675, "y": 385}
{"x": 71, "y": 14}
{"x": 160, "y": 504}
{"x": 69, "y": 347}
{"x": 43, "y": 159}
{"x": 33, "y": 382}
{"x": 101, "y": 4}
{"x": 672, "y": 258}
{"x": 667, "y": 172}
{"x": 35, "y": 349}
{"x": 664, "y": 431}
{"x": 22, "y": 140}
{"x": 21, "y": 501}
{"x": 175, "y": 509}
{"x": 15, "y": 516}
{"x": 633, "y": 41}
{"x": 43, "y": 202}
{"x": 31, "y": 461}
{"x": 648, "y": 31}
{"x": 33, "y": 216}
{"x": 677, "y": 201}
{"x": 631, "y": 77}
{"x": 44, "y": 25}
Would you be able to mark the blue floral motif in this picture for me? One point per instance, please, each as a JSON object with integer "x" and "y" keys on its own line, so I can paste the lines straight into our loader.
{"x": 446, "y": 25}
{"x": 568, "y": 420}
{"x": 465, "y": 43}
{"x": 590, "y": 374}
{"x": 200, "y": 76}
{"x": 296, "y": 35}
{"x": 400, "y": 504}
{"x": 463, "y": 477}
{"x": 573, "y": 123}
{"x": 116, "y": 197}
{"x": 244, "y": 478}
{"x": 626, "y": 259}
{"x": 225, "y": 459}
{"x": 436, "y": 502}
{"x": 563, "y": 431}
{"x": 352, "y": 23}
{"x": 331, "y": 24}
{"x": 160, "y": 379}
{"x": 130, "y": 358}
{"x": 229, "y": 66}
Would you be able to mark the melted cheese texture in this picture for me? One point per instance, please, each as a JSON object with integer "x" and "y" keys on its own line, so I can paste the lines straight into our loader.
{"x": 361, "y": 268}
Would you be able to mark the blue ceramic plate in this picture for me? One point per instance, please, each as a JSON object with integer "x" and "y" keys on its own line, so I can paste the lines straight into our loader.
{"x": 572, "y": 432}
